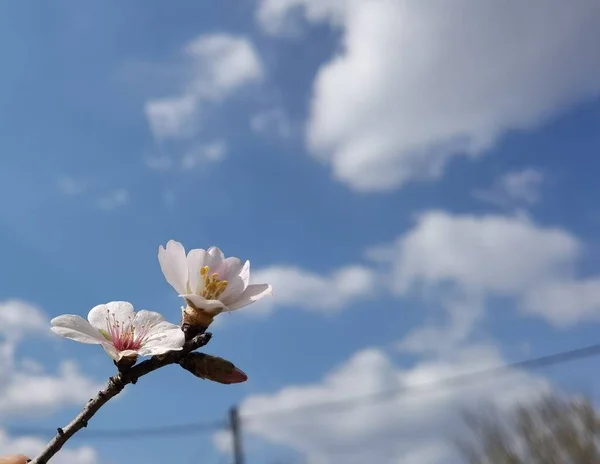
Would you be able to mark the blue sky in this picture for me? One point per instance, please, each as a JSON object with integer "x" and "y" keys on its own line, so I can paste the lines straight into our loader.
{"x": 417, "y": 182}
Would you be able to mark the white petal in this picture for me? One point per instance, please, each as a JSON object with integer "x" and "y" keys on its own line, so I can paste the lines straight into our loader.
{"x": 147, "y": 319}
{"x": 202, "y": 303}
{"x": 238, "y": 276}
{"x": 103, "y": 315}
{"x": 215, "y": 261}
{"x": 118, "y": 355}
{"x": 173, "y": 264}
{"x": 76, "y": 328}
{"x": 196, "y": 259}
{"x": 252, "y": 294}
{"x": 163, "y": 338}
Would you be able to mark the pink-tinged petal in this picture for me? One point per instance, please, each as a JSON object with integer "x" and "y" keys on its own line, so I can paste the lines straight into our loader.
{"x": 173, "y": 264}
{"x": 210, "y": 306}
{"x": 252, "y": 294}
{"x": 196, "y": 259}
{"x": 163, "y": 338}
{"x": 237, "y": 275}
{"x": 76, "y": 328}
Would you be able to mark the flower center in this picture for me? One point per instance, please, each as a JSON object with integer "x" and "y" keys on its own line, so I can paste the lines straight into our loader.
{"x": 123, "y": 335}
{"x": 213, "y": 286}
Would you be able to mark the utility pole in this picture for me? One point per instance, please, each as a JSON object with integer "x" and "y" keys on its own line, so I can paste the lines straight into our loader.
{"x": 236, "y": 433}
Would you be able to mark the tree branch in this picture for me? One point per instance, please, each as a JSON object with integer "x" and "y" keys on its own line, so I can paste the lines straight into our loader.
{"x": 115, "y": 385}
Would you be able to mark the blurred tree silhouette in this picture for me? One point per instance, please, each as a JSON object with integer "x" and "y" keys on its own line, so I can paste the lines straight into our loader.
{"x": 553, "y": 430}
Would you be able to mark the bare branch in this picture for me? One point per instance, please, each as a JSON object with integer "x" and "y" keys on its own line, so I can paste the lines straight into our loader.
{"x": 115, "y": 385}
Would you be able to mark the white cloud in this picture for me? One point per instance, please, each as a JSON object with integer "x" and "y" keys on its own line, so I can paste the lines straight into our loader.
{"x": 31, "y": 446}
{"x": 273, "y": 122}
{"x": 463, "y": 315}
{"x": 18, "y": 317}
{"x": 296, "y": 287}
{"x": 219, "y": 64}
{"x": 416, "y": 83}
{"x": 494, "y": 255}
{"x": 499, "y": 254}
{"x": 415, "y": 429}
{"x": 210, "y": 153}
{"x": 519, "y": 188}
{"x": 114, "y": 199}
{"x": 223, "y": 64}
{"x": 172, "y": 117}
{"x": 71, "y": 186}
{"x": 566, "y": 302}
{"x": 25, "y": 387}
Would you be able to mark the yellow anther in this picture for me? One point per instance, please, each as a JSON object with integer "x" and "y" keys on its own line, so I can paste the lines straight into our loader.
{"x": 213, "y": 286}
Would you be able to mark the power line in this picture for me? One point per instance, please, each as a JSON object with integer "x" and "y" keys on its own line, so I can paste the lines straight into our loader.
{"x": 471, "y": 377}
{"x": 387, "y": 395}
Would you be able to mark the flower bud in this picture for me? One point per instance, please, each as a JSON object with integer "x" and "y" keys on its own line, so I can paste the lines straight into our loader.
{"x": 213, "y": 368}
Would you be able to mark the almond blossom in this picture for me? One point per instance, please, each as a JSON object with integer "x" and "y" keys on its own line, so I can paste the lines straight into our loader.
{"x": 121, "y": 331}
{"x": 207, "y": 280}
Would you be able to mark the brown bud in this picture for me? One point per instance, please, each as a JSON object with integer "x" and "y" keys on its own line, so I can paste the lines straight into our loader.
{"x": 213, "y": 368}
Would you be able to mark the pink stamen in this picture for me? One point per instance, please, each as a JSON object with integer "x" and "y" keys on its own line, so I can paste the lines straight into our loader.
{"x": 125, "y": 337}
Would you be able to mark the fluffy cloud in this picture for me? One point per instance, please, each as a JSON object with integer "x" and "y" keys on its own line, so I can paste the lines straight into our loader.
{"x": 495, "y": 255}
{"x": 303, "y": 289}
{"x": 25, "y": 388}
{"x": 519, "y": 188}
{"x": 413, "y": 429}
{"x": 218, "y": 65}
{"x": 30, "y": 446}
{"x": 416, "y": 83}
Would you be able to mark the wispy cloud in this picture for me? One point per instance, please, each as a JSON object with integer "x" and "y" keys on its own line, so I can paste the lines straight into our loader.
{"x": 273, "y": 122}
{"x": 71, "y": 186}
{"x": 159, "y": 163}
{"x": 211, "y": 153}
{"x": 115, "y": 199}
{"x": 218, "y": 65}
{"x": 519, "y": 188}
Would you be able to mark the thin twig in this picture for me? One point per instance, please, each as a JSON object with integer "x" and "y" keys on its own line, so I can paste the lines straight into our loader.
{"x": 115, "y": 385}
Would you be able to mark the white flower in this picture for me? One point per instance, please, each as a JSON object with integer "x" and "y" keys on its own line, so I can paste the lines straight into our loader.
{"x": 208, "y": 280}
{"x": 121, "y": 332}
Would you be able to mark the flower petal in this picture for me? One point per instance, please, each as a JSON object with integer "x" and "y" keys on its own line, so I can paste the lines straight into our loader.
{"x": 202, "y": 303}
{"x": 196, "y": 259}
{"x": 147, "y": 319}
{"x": 118, "y": 355}
{"x": 163, "y": 338}
{"x": 238, "y": 275}
{"x": 215, "y": 261}
{"x": 252, "y": 294}
{"x": 173, "y": 264}
{"x": 76, "y": 328}
{"x": 103, "y": 315}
